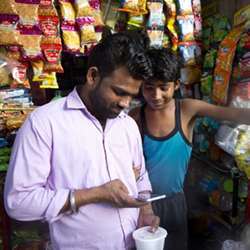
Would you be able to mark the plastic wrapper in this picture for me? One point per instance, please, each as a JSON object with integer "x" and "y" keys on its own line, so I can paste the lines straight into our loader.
{"x": 220, "y": 28}
{"x": 9, "y": 35}
{"x": 206, "y": 84}
{"x": 50, "y": 82}
{"x": 191, "y": 53}
{"x": 28, "y": 12}
{"x": 46, "y": 3}
{"x": 210, "y": 59}
{"x": 242, "y": 15}
{"x": 48, "y": 20}
{"x": 96, "y": 12}
{"x": 242, "y": 151}
{"x": 135, "y": 21}
{"x": 52, "y": 48}
{"x": 155, "y": 25}
{"x": 67, "y": 11}
{"x": 13, "y": 52}
{"x": 186, "y": 27}
{"x": 83, "y": 8}
{"x": 20, "y": 76}
{"x": 9, "y": 71}
{"x": 226, "y": 138}
{"x": 88, "y": 34}
{"x": 71, "y": 38}
{"x": 30, "y": 39}
{"x": 223, "y": 69}
{"x": 137, "y": 7}
{"x": 8, "y": 7}
{"x": 240, "y": 95}
{"x": 185, "y": 7}
{"x": 170, "y": 21}
{"x": 190, "y": 74}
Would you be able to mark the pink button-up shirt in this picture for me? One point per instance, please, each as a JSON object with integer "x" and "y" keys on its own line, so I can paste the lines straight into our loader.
{"x": 60, "y": 147}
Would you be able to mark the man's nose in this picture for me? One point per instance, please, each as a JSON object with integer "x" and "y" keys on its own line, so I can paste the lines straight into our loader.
{"x": 157, "y": 93}
{"x": 125, "y": 102}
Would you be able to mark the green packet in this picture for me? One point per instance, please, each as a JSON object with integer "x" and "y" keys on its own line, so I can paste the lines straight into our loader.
{"x": 5, "y": 151}
{"x": 3, "y": 166}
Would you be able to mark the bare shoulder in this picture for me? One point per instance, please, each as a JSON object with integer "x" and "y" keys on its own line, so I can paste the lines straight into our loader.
{"x": 188, "y": 106}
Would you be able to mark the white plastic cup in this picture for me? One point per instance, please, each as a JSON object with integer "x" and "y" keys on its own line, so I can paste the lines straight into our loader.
{"x": 146, "y": 240}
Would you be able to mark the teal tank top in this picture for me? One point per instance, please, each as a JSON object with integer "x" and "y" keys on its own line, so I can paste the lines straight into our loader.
{"x": 166, "y": 157}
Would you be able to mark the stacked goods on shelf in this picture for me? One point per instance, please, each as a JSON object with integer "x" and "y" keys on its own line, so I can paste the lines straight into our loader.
{"x": 215, "y": 29}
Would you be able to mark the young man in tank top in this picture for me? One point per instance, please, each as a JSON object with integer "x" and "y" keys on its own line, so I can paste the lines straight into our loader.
{"x": 166, "y": 125}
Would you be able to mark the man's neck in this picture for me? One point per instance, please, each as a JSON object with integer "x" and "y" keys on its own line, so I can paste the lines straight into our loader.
{"x": 83, "y": 94}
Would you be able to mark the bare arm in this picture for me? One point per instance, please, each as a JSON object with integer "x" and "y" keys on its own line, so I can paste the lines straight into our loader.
{"x": 197, "y": 108}
{"x": 114, "y": 192}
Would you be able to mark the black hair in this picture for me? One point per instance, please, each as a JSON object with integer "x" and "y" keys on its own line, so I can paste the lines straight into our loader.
{"x": 166, "y": 65}
{"x": 122, "y": 49}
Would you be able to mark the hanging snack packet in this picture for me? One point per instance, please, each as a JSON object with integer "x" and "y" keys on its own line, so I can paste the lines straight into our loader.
{"x": 96, "y": 12}
{"x": 13, "y": 52}
{"x": 191, "y": 53}
{"x": 137, "y": 7}
{"x": 28, "y": 12}
{"x": 67, "y": 12}
{"x": 135, "y": 21}
{"x": 186, "y": 26}
{"x": 9, "y": 35}
{"x": 8, "y": 7}
{"x": 30, "y": 38}
{"x": 38, "y": 74}
{"x": 71, "y": 38}
{"x": 20, "y": 76}
{"x": 82, "y": 8}
{"x": 210, "y": 59}
{"x": 45, "y": 10}
{"x": 46, "y": 3}
{"x": 52, "y": 48}
{"x": 49, "y": 25}
{"x": 155, "y": 25}
{"x": 48, "y": 20}
{"x": 185, "y": 7}
{"x": 50, "y": 82}
{"x": 223, "y": 67}
{"x": 87, "y": 30}
{"x": 171, "y": 17}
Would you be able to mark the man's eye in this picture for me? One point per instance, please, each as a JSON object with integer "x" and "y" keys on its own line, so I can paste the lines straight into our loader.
{"x": 164, "y": 88}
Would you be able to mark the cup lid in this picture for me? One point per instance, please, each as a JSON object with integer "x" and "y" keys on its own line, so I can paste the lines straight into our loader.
{"x": 144, "y": 234}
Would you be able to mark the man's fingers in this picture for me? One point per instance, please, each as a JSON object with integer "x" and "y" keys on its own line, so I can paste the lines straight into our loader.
{"x": 155, "y": 224}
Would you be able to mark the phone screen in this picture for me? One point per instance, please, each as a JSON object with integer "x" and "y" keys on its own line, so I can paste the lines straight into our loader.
{"x": 150, "y": 197}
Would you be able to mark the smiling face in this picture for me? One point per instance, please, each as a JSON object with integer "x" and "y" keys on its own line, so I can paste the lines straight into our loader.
{"x": 113, "y": 93}
{"x": 158, "y": 94}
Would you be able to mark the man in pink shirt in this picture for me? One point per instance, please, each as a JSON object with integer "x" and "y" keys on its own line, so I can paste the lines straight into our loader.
{"x": 72, "y": 161}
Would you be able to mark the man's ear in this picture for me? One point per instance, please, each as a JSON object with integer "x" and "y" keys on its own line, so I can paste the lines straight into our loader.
{"x": 177, "y": 85}
{"x": 93, "y": 76}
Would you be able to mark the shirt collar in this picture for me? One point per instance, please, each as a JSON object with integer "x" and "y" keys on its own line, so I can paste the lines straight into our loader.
{"x": 75, "y": 102}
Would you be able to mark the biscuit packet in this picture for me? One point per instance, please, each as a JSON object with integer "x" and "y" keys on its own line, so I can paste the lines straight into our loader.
{"x": 67, "y": 12}
{"x": 136, "y": 7}
{"x": 71, "y": 38}
{"x": 52, "y": 48}
{"x": 8, "y": 7}
{"x": 9, "y": 34}
{"x": 28, "y": 12}
{"x": 30, "y": 38}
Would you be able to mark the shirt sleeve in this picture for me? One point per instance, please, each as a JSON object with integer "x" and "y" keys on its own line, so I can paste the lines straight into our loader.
{"x": 143, "y": 183}
{"x": 27, "y": 193}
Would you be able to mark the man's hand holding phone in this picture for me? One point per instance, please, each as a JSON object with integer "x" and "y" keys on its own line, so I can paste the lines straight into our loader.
{"x": 148, "y": 197}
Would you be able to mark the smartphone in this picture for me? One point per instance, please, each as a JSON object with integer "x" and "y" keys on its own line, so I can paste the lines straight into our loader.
{"x": 150, "y": 197}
